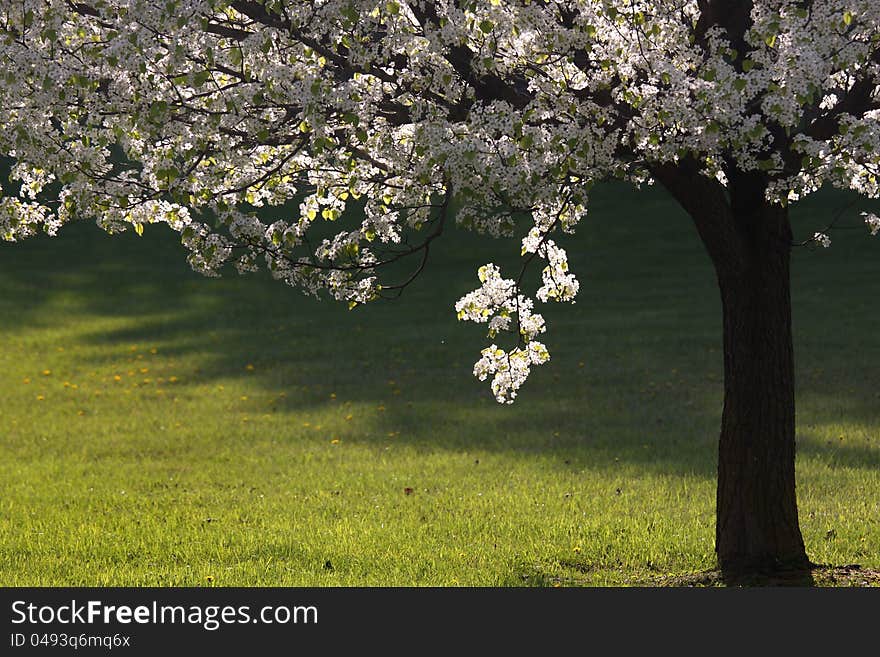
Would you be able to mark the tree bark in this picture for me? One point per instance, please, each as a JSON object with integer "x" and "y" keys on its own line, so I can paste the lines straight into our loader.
{"x": 757, "y": 521}
{"x": 749, "y": 242}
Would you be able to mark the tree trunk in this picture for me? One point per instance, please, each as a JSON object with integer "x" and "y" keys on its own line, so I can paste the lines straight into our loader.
{"x": 749, "y": 242}
{"x": 757, "y": 522}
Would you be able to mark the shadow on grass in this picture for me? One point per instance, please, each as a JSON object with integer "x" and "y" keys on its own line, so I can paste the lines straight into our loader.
{"x": 635, "y": 376}
{"x": 819, "y": 575}
{"x": 714, "y": 578}
{"x": 837, "y": 454}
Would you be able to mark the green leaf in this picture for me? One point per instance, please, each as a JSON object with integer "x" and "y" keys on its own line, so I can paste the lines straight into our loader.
{"x": 158, "y": 109}
{"x": 201, "y": 77}
{"x": 487, "y": 26}
{"x": 526, "y": 142}
{"x": 350, "y": 13}
{"x": 168, "y": 173}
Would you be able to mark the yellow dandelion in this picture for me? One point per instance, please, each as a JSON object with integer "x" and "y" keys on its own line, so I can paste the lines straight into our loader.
{"x": 40, "y": 398}
{"x": 144, "y": 370}
{"x": 153, "y": 351}
{"x": 349, "y": 417}
{"x": 332, "y": 395}
{"x": 116, "y": 377}
{"x": 249, "y": 367}
{"x": 172, "y": 379}
{"x": 80, "y": 413}
{"x": 335, "y": 441}
{"x": 26, "y": 380}
{"x": 244, "y": 398}
{"x": 47, "y": 372}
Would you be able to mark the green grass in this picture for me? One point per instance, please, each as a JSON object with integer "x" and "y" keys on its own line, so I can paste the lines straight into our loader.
{"x": 257, "y": 437}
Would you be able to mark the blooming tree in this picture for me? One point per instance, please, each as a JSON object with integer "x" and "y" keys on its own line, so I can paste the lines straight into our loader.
{"x": 389, "y": 119}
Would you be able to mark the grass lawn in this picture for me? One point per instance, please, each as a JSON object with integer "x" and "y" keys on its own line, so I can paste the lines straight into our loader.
{"x": 161, "y": 428}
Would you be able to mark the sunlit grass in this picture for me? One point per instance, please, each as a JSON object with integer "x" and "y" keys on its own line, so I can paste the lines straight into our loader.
{"x": 158, "y": 428}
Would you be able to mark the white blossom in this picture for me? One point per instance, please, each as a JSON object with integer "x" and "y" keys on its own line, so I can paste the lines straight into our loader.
{"x": 872, "y": 221}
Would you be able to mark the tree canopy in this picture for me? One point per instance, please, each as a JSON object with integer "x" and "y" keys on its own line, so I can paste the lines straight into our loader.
{"x": 497, "y": 114}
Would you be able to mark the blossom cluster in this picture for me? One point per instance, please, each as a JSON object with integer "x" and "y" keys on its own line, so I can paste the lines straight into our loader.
{"x": 498, "y": 303}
